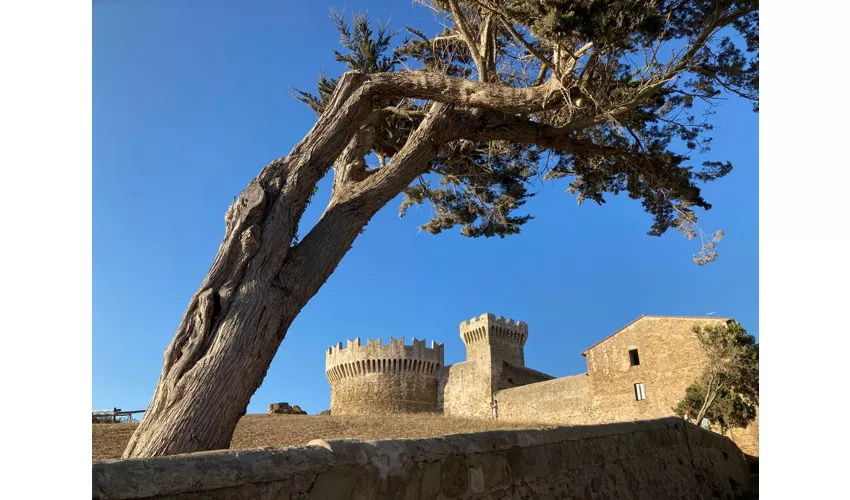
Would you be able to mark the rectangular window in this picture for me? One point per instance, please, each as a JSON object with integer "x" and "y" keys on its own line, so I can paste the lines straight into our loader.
{"x": 633, "y": 357}
{"x": 639, "y": 394}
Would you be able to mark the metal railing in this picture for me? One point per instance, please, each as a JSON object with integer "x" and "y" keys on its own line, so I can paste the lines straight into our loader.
{"x": 115, "y": 413}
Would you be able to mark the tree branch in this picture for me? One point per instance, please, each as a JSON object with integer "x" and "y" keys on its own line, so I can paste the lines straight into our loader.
{"x": 323, "y": 247}
{"x": 458, "y": 91}
{"x": 539, "y": 55}
{"x": 654, "y": 84}
{"x": 505, "y": 127}
{"x": 466, "y": 34}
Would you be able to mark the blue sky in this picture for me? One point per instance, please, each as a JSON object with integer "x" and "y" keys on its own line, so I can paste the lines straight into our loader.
{"x": 190, "y": 100}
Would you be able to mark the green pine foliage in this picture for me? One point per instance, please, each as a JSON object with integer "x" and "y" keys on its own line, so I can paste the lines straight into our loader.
{"x": 727, "y": 391}
{"x": 652, "y": 69}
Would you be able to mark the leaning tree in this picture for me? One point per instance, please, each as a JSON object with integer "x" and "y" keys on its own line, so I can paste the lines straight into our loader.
{"x": 611, "y": 94}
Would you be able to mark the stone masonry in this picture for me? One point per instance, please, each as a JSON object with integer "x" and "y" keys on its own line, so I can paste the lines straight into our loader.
{"x": 376, "y": 378}
{"x": 663, "y": 458}
{"x": 639, "y": 372}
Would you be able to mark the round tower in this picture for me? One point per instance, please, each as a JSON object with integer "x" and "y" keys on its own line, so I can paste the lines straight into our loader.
{"x": 376, "y": 378}
{"x": 495, "y": 337}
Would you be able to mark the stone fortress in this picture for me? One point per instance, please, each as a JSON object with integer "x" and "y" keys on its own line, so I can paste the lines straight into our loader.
{"x": 394, "y": 378}
{"x": 639, "y": 372}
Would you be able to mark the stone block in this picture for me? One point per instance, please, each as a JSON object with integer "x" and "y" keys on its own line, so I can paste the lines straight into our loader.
{"x": 431, "y": 482}
{"x": 455, "y": 477}
{"x": 335, "y": 484}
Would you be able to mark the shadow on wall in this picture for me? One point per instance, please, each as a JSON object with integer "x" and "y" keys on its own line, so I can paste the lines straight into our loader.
{"x": 664, "y": 458}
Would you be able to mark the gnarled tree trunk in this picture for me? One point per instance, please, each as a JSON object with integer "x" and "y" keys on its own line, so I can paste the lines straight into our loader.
{"x": 260, "y": 280}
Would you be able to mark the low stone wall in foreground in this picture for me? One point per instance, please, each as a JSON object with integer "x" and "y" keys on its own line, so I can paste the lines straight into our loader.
{"x": 663, "y": 459}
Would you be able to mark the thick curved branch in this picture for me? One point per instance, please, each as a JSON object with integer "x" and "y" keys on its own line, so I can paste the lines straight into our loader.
{"x": 452, "y": 90}
{"x": 321, "y": 250}
{"x": 493, "y": 127}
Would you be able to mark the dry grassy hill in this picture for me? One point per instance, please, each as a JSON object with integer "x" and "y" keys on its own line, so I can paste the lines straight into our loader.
{"x": 256, "y": 431}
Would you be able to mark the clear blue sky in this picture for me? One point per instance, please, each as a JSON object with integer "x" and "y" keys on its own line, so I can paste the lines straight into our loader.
{"x": 190, "y": 100}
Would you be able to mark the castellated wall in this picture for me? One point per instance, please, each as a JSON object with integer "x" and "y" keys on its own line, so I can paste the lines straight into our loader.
{"x": 494, "y": 337}
{"x": 376, "y": 378}
{"x": 494, "y": 346}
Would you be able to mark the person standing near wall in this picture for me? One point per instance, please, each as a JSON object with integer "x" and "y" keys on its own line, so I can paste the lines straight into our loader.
{"x": 687, "y": 416}
{"x": 495, "y": 406}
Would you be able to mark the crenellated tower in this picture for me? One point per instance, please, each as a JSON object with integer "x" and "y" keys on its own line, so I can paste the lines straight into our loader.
{"x": 378, "y": 378}
{"x": 494, "y": 338}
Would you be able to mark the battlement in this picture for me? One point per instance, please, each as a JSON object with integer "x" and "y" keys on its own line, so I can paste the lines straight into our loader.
{"x": 375, "y": 357}
{"x": 489, "y": 328}
{"x": 492, "y": 319}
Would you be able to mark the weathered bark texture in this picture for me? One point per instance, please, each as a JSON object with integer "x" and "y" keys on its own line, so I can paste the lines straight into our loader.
{"x": 260, "y": 280}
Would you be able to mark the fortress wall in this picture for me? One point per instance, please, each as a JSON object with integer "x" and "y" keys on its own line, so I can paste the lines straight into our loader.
{"x": 476, "y": 342}
{"x": 561, "y": 401}
{"x": 664, "y": 458}
{"x": 376, "y": 393}
{"x": 357, "y": 354}
{"x": 570, "y": 401}
{"x": 497, "y": 338}
{"x": 376, "y": 378}
{"x": 464, "y": 389}
{"x": 671, "y": 358}
{"x": 508, "y": 351}
{"x": 511, "y": 375}
{"x": 573, "y": 401}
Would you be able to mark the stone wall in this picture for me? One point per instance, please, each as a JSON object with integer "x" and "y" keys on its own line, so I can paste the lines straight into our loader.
{"x": 377, "y": 378}
{"x": 397, "y": 378}
{"x": 494, "y": 358}
{"x": 465, "y": 389}
{"x": 507, "y": 375}
{"x": 657, "y": 459}
{"x": 747, "y": 439}
{"x": 377, "y": 393}
{"x": 497, "y": 338}
{"x": 562, "y": 401}
{"x": 671, "y": 358}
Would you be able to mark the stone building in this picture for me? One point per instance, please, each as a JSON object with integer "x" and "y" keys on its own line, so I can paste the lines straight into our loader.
{"x": 638, "y": 372}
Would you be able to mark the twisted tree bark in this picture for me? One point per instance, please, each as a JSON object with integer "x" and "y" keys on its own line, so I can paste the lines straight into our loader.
{"x": 260, "y": 280}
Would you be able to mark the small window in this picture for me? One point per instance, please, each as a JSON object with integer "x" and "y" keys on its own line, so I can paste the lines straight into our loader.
{"x": 634, "y": 359}
{"x": 639, "y": 394}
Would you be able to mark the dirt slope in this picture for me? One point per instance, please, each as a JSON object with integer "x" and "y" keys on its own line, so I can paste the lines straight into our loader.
{"x": 256, "y": 431}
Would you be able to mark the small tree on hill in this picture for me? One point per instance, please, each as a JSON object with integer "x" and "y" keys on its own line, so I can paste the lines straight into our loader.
{"x": 727, "y": 390}
{"x": 612, "y": 95}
